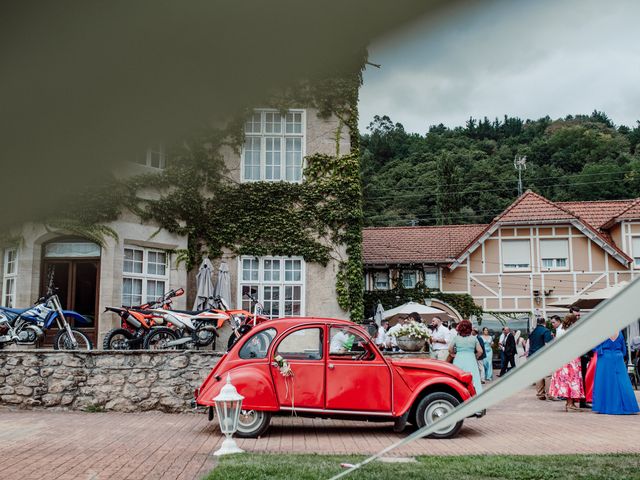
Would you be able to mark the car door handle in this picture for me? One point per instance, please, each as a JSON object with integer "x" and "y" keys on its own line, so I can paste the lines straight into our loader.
{"x": 274, "y": 364}
{"x": 331, "y": 366}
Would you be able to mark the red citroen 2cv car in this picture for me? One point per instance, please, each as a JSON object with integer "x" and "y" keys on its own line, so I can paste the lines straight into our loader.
{"x": 331, "y": 368}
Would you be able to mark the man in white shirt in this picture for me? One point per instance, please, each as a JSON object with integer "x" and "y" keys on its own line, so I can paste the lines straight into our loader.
{"x": 340, "y": 342}
{"x": 556, "y": 323}
{"x": 383, "y": 341}
{"x": 440, "y": 339}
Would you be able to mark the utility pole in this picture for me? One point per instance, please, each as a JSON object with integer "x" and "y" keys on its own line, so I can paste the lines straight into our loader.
{"x": 520, "y": 163}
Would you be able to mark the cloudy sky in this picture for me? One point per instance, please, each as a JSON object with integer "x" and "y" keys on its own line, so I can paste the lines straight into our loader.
{"x": 517, "y": 57}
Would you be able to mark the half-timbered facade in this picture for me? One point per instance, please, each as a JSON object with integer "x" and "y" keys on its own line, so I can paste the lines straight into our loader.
{"x": 533, "y": 254}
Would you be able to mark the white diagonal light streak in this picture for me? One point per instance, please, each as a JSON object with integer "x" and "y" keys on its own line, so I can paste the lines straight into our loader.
{"x": 610, "y": 317}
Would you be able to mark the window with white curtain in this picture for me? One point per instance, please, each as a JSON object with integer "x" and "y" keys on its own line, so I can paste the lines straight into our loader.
{"x": 10, "y": 274}
{"x": 274, "y": 146}
{"x": 409, "y": 278}
{"x": 516, "y": 255}
{"x": 276, "y": 282}
{"x": 635, "y": 247}
{"x": 381, "y": 280}
{"x": 431, "y": 279}
{"x": 554, "y": 254}
{"x": 145, "y": 275}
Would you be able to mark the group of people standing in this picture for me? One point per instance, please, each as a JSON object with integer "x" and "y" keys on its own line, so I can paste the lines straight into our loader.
{"x": 597, "y": 380}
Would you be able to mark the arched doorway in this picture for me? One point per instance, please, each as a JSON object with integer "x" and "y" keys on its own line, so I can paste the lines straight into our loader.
{"x": 453, "y": 313}
{"x": 72, "y": 266}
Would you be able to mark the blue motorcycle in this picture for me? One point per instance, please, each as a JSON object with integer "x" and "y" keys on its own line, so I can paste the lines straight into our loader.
{"x": 27, "y": 326}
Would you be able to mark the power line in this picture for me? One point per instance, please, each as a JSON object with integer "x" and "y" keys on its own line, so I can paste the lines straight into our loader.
{"x": 514, "y": 180}
{"x": 466, "y": 192}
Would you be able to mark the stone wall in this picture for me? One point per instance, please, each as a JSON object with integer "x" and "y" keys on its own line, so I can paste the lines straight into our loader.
{"x": 95, "y": 381}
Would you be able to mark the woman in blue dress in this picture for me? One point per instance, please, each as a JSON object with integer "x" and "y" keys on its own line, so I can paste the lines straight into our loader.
{"x": 467, "y": 350}
{"x": 488, "y": 360}
{"x": 612, "y": 391}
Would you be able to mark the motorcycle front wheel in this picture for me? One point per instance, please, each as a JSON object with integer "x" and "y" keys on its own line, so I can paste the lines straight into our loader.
{"x": 63, "y": 341}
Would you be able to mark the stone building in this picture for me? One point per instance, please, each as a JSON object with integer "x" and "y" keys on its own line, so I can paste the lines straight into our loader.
{"x": 141, "y": 263}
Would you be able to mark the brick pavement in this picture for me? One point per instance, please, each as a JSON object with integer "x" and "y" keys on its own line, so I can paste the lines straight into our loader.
{"x": 47, "y": 445}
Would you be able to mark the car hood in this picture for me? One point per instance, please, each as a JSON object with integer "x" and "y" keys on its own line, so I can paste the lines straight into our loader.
{"x": 415, "y": 365}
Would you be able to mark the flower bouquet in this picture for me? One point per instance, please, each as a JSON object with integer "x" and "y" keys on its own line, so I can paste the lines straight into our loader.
{"x": 411, "y": 336}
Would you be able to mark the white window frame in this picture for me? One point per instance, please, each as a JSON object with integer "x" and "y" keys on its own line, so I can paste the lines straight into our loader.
{"x": 634, "y": 254}
{"x": 554, "y": 264}
{"x": 283, "y": 136}
{"x": 428, "y": 271}
{"x": 515, "y": 267}
{"x": 282, "y": 283}
{"x": 9, "y": 278}
{"x": 145, "y": 276}
{"x": 405, "y": 274}
{"x": 146, "y": 160}
{"x": 374, "y": 281}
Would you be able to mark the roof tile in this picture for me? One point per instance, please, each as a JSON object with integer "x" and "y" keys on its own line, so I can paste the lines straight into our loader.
{"x": 597, "y": 213}
{"x": 442, "y": 244}
{"x": 437, "y": 244}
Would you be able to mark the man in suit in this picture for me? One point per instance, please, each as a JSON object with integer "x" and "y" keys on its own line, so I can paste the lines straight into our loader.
{"x": 509, "y": 351}
{"x": 501, "y": 348}
{"x": 538, "y": 338}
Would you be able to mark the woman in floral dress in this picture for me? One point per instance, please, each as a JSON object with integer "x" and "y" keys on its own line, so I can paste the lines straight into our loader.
{"x": 566, "y": 382}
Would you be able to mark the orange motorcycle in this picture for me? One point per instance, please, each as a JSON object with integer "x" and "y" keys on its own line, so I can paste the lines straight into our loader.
{"x": 137, "y": 322}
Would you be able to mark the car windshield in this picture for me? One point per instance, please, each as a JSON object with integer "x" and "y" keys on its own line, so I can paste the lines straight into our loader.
{"x": 258, "y": 344}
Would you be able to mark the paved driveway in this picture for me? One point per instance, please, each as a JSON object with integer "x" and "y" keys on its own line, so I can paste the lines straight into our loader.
{"x": 71, "y": 445}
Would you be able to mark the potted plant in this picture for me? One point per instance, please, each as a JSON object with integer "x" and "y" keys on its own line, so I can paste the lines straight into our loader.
{"x": 411, "y": 336}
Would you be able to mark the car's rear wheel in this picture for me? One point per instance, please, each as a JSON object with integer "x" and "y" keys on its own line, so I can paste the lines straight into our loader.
{"x": 434, "y": 406}
{"x": 253, "y": 423}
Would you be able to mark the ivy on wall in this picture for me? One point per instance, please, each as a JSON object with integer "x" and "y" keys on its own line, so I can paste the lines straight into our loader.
{"x": 319, "y": 219}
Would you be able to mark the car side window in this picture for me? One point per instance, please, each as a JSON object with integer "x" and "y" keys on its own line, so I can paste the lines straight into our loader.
{"x": 348, "y": 344}
{"x": 258, "y": 344}
{"x": 304, "y": 344}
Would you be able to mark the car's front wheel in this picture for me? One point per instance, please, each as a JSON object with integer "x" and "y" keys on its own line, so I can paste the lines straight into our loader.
{"x": 434, "y": 406}
{"x": 253, "y": 423}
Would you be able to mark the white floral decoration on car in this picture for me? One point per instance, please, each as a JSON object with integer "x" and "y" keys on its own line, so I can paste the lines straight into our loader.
{"x": 283, "y": 366}
{"x": 411, "y": 329}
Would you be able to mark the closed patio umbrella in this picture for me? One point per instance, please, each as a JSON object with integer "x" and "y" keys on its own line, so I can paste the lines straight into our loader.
{"x": 379, "y": 315}
{"x": 223, "y": 285}
{"x": 205, "y": 290}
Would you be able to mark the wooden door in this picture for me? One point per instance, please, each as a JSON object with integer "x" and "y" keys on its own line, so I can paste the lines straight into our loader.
{"x": 77, "y": 281}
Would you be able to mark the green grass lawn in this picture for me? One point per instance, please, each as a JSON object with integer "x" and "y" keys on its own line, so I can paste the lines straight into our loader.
{"x": 302, "y": 467}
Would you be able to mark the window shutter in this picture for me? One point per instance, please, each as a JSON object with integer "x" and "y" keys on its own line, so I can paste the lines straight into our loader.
{"x": 554, "y": 249}
{"x": 635, "y": 245}
{"x": 516, "y": 252}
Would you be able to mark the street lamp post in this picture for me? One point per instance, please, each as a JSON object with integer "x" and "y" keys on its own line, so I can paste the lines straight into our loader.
{"x": 228, "y": 405}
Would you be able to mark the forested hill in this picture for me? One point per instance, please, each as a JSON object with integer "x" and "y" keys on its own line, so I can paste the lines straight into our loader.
{"x": 466, "y": 174}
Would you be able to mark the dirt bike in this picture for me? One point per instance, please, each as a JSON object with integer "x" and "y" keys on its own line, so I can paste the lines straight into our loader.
{"x": 195, "y": 329}
{"x": 27, "y": 326}
{"x": 242, "y": 321}
{"x": 136, "y": 323}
